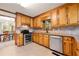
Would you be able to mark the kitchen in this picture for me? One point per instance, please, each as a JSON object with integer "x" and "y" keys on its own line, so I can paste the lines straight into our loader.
{"x": 55, "y": 29}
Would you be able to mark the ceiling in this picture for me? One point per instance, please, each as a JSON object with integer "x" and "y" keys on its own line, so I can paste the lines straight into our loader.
{"x": 30, "y": 9}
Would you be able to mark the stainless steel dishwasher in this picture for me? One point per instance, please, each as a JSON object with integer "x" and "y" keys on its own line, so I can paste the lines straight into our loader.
{"x": 56, "y": 43}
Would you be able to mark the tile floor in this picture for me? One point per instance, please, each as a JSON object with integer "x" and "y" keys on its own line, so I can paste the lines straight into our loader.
{"x": 31, "y": 49}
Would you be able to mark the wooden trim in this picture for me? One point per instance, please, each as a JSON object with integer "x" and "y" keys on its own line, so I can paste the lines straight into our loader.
{"x": 7, "y": 11}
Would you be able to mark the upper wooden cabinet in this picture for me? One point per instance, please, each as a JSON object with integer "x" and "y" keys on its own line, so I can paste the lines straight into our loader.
{"x": 38, "y": 21}
{"x": 78, "y": 12}
{"x": 22, "y": 20}
{"x": 18, "y": 20}
{"x": 45, "y": 16}
{"x": 72, "y": 13}
{"x": 35, "y": 23}
{"x": 31, "y": 22}
{"x": 54, "y": 19}
{"x": 62, "y": 15}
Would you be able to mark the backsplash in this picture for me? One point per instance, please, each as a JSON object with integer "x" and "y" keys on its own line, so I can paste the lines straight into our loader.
{"x": 68, "y": 31}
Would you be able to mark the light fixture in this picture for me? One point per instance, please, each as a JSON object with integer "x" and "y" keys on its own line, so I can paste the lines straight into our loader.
{"x": 26, "y": 4}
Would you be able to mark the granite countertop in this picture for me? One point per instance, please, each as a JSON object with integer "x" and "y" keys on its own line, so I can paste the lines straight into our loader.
{"x": 76, "y": 36}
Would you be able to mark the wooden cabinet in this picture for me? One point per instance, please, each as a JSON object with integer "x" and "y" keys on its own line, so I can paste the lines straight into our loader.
{"x": 18, "y": 20}
{"x": 41, "y": 41}
{"x": 78, "y": 13}
{"x": 37, "y": 37}
{"x": 35, "y": 23}
{"x": 46, "y": 15}
{"x": 39, "y": 23}
{"x": 18, "y": 39}
{"x": 22, "y": 20}
{"x": 41, "y": 38}
{"x": 72, "y": 13}
{"x": 31, "y": 23}
{"x": 54, "y": 20}
{"x": 68, "y": 46}
{"x": 62, "y": 16}
{"x": 77, "y": 49}
{"x": 33, "y": 37}
{"x": 46, "y": 41}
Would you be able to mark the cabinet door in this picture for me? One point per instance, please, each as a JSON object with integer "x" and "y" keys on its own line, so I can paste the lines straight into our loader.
{"x": 35, "y": 23}
{"x": 67, "y": 46}
{"x": 31, "y": 23}
{"x": 19, "y": 40}
{"x": 33, "y": 37}
{"x": 37, "y": 38}
{"x": 72, "y": 13}
{"x": 46, "y": 41}
{"x": 78, "y": 12}
{"x": 41, "y": 38}
{"x": 22, "y": 20}
{"x": 54, "y": 20}
{"x": 39, "y": 23}
{"x": 18, "y": 20}
{"x": 62, "y": 16}
{"x": 77, "y": 48}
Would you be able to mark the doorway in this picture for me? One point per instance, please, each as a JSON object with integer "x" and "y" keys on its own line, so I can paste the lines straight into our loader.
{"x": 7, "y": 27}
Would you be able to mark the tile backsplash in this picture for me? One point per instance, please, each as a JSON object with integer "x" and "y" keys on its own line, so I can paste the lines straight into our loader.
{"x": 68, "y": 31}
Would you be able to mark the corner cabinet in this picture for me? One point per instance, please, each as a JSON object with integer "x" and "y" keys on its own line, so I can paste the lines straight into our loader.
{"x": 72, "y": 13}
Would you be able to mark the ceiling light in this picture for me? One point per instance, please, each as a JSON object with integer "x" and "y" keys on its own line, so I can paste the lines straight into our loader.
{"x": 26, "y": 4}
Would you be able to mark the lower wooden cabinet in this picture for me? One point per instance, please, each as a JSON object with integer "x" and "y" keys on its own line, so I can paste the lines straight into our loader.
{"x": 68, "y": 43}
{"x": 46, "y": 41}
{"x": 41, "y": 38}
{"x": 77, "y": 49}
{"x": 33, "y": 37}
{"x": 18, "y": 39}
{"x": 68, "y": 46}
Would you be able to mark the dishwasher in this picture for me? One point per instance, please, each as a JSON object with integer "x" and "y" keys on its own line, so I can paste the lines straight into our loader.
{"x": 56, "y": 43}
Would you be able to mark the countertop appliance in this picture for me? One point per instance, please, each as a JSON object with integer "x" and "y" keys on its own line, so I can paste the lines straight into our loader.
{"x": 56, "y": 43}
